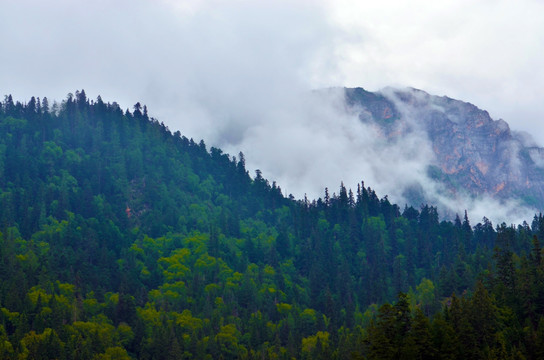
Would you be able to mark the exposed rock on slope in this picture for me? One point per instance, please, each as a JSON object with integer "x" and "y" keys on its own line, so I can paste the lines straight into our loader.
{"x": 474, "y": 154}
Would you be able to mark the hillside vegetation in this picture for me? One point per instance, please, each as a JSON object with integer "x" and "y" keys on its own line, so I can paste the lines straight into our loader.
{"x": 120, "y": 239}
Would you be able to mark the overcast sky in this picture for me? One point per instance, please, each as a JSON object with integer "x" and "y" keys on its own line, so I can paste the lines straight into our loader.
{"x": 226, "y": 70}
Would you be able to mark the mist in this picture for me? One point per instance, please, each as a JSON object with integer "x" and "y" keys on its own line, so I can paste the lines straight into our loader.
{"x": 317, "y": 142}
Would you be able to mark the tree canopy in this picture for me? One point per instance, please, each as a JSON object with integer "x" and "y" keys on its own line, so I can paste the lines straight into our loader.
{"x": 120, "y": 239}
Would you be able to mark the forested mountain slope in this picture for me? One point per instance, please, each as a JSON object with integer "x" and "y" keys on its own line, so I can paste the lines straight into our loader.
{"x": 122, "y": 240}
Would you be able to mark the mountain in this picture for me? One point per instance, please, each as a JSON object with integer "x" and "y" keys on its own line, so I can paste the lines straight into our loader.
{"x": 474, "y": 155}
{"x": 122, "y": 240}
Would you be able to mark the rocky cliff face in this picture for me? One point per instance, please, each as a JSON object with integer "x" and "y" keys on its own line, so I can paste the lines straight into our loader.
{"x": 474, "y": 154}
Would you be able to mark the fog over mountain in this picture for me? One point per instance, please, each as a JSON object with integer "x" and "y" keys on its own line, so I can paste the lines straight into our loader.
{"x": 409, "y": 145}
{"x": 473, "y": 156}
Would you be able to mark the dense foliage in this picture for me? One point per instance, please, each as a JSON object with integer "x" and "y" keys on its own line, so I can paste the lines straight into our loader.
{"x": 122, "y": 240}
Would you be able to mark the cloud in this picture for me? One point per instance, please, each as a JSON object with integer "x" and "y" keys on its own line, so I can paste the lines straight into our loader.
{"x": 313, "y": 142}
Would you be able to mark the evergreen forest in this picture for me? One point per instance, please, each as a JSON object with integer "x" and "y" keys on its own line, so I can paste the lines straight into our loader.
{"x": 122, "y": 240}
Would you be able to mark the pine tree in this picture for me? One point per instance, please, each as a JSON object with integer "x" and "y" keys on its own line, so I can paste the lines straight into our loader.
{"x": 418, "y": 343}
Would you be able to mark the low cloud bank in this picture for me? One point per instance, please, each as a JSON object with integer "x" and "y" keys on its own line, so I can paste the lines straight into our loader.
{"x": 315, "y": 141}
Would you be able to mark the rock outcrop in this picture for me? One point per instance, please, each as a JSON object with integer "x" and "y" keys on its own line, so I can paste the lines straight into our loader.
{"x": 474, "y": 154}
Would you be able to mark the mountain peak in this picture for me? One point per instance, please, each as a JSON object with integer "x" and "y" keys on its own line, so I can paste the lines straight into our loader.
{"x": 474, "y": 154}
